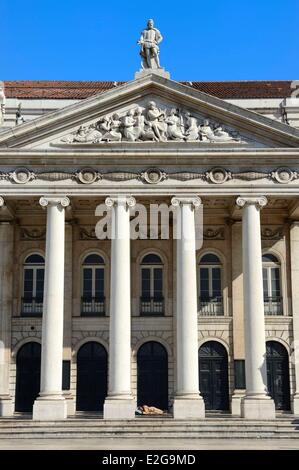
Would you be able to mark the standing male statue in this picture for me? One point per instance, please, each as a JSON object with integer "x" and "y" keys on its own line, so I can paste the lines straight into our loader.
{"x": 149, "y": 40}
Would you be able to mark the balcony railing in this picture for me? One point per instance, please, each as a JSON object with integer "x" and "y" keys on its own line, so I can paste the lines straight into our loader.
{"x": 92, "y": 306}
{"x": 32, "y": 307}
{"x": 152, "y": 306}
{"x": 210, "y": 306}
{"x": 273, "y": 306}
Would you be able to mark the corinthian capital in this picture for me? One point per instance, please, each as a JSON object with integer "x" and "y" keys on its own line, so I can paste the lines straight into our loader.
{"x": 177, "y": 201}
{"x": 259, "y": 202}
{"x": 62, "y": 201}
{"x": 129, "y": 201}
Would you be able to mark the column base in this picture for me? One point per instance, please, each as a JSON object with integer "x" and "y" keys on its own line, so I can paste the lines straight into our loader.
{"x": 6, "y": 406}
{"x": 258, "y": 408}
{"x": 295, "y": 404}
{"x": 236, "y": 403}
{"x": 186, "y": 408}
{"x": 119, "y": 408}
{"x": 47, "y": 409}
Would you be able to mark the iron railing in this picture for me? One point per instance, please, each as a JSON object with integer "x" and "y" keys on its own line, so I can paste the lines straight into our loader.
{"x": 152, "y": 306}
{"x": 32, "y": 307}
{"x": 273, "y": 306}
{"x": 210, "y": 306}
{"x": 93, "y": 306}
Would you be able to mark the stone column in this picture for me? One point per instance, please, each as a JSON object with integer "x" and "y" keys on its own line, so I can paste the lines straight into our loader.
{"x": 50, "y": 404}
{"x": 237, "y": 312}
{"x": 6, "y": 285}
{"x": 257, "y": 404}
{"x": 68, "y": 309}
{"x": 294, "y": 248}
{"x": 187, "y": 402}
{"x": 120, "y": 404}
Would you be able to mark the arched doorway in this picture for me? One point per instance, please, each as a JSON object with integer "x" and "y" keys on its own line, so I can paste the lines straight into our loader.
{"x": 91, "y": 377}
{"x": 28, "y": 376}
{"x": 152, "y": 375}
{"x": 213, "y": 375}
{"x": 278, "y": 374}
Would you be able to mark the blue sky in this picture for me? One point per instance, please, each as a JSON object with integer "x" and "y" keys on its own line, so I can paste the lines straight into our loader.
{"x": 96, "y": 40}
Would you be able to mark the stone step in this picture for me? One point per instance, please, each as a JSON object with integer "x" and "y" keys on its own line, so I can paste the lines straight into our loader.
{"x": 153, "y": 435}
{"x": 149, "y": 428}
{"x": 223, "y": 426}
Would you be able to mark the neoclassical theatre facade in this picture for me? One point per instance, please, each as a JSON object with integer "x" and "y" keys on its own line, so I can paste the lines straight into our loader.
{"x": 98, "y": 325}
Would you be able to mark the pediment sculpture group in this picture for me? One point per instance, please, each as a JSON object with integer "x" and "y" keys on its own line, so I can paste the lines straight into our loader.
{"x": 151, "y": 124}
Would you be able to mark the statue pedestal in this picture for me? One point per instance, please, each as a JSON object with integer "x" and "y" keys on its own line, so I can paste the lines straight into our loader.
{"x": 144, "y": 72}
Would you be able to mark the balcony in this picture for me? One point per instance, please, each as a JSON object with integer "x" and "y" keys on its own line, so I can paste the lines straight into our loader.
{"x": 273, "y": 306}
{"x": 210, "y": 306}
{"x": 32, "y": 307}
{"x": 152, "y": 306}
{"x": 93, "y": 306}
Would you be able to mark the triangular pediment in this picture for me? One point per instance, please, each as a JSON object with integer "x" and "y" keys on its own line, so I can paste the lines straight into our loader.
{"x": 148, "y": 111}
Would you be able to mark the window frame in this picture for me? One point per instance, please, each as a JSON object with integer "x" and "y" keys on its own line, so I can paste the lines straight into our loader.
{"x": 152, "y": 299}
{"x": 210, "y": 267}
{"x": 270, "y": 299}
{"x": 93, "y": 299}
{"x": 152, "y": 267}
{"x": 217, "y": 307}
{"x": 34, "y": 267}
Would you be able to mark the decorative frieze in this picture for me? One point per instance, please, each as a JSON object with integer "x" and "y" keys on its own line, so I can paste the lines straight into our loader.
{"x": 216, "y": 175}
{"x": 153, "y": 176}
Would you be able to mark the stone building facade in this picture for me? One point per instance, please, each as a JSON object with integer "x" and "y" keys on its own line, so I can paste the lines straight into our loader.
{"x": 112, "y": 324}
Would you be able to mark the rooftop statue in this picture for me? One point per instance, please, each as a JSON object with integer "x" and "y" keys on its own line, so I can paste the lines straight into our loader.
{"x": 149, "y": 40}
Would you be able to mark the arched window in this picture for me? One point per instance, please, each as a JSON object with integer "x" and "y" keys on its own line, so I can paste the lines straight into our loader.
{"x": 272, "y": 285}
{"x": 33, "y": 286}
{"x": 93, "y": 294}
{"x": 210, "y": 285}
{"x": 152, "y": 300}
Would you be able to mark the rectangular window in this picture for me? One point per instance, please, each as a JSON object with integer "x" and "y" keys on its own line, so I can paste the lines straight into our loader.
{"x": 158, "y": 283}
{"x": 275, "y": 282}
{"x": 99, "y": 282}
{"x": 204, "y": 284}
{"x": 40, "y": 284}
{"x": 265, "y": 283}
{"x": 87, "y": 283}
{"x": 28, "y": 284}
{"x": 146, "y": 282}
{"x": 216, "y": 282}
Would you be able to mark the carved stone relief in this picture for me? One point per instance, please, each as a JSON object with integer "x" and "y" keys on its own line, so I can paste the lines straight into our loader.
{"x": 272, "y": 233}
{"x": 34, "y": 233}
{"x": 151, "y": 123}
{"x": 214, "y": 233}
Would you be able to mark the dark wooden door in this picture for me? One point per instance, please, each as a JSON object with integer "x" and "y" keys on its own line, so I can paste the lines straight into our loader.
{"x": 91, "y": 377}
{"x": 213, "y": 376}
{"x": 28, "y": 376}
{"x": 152, "y": 375}
{"x": 278, "y": 374}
